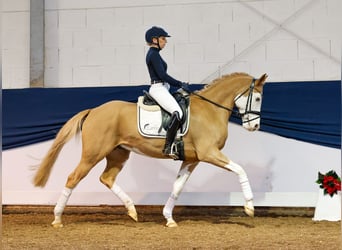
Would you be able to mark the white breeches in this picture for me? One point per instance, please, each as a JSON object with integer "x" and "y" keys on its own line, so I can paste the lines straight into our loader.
{"x": 160, "y": 92}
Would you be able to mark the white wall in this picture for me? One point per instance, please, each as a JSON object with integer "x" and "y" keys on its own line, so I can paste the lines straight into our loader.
{"x": 15, "y": 31}
{"x": 101, "y": 42}
{"x": 282, "y": 172}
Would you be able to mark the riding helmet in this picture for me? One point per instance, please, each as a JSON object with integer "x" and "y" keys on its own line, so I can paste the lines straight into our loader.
{"x": 155, "y": 32}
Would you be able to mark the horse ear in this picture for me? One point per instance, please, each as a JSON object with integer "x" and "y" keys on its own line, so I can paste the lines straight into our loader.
{"x": 262, "y": 79}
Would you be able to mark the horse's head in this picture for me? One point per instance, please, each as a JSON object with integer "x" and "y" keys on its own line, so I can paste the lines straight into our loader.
{"x": 249, "y": 104}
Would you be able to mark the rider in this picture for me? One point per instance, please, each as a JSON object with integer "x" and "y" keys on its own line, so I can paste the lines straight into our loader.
{"x": 160, "y": 84}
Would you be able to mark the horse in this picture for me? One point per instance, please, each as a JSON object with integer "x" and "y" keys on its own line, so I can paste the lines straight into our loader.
{"x": 110, "y": 131}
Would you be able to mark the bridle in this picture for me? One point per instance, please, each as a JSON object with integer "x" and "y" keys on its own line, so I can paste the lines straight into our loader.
{"x": 248, "y": 109}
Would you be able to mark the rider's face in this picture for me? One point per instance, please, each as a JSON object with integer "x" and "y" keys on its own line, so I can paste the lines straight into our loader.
{"x": 161, "y": 40}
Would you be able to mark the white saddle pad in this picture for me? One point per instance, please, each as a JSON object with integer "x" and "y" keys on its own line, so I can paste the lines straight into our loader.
{"x": 150, "y": 121}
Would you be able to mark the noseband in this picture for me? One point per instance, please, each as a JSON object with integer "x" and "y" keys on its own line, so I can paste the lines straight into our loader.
{"x": 248, "y": 109}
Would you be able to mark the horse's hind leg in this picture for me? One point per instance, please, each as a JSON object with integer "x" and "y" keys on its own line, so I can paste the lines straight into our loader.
{"x": 115, "y": 162}
{"x": 74, "y": 178}
{"x": 182, "y": 176}
{"x": 59, "y": 208}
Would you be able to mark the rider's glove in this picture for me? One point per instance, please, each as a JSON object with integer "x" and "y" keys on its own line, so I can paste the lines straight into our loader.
{"x": 185, "y": 87}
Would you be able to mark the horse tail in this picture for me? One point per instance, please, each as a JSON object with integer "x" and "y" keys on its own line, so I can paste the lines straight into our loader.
{"x": 70, "y": 129}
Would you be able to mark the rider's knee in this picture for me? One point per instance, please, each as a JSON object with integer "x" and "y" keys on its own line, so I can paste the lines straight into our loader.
{"x": 179, "y": 113}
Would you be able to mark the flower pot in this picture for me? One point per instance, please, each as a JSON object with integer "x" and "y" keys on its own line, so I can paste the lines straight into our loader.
{"x": 328, "y": 208}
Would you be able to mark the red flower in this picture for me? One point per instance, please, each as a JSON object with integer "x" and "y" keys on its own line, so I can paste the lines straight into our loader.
{"x": 327, "y": 180}
{"x": 337, "y": 184}
{"x": 330, "y": 182}
{"x": 330, "y": 190}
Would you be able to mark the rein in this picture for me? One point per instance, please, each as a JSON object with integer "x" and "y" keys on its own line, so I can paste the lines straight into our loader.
{"x": 216, "y": 104}
{"x": 248, "y": 109}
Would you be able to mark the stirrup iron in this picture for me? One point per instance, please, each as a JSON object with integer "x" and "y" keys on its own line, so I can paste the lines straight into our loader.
{"x": 173, "y": 153}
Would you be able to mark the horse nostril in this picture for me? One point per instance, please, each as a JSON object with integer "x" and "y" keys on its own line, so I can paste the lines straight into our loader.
{"x": 256, "y": 126}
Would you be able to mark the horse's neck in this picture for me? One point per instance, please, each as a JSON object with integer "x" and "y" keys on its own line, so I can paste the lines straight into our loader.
{"x": 222, "y": 94}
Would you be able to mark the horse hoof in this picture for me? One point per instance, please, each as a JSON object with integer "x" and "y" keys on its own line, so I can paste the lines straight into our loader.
{"x": 249, "y": 211}
{"x": 171, "y": 223}
{"x": 57, "y": 224}
{"x": 133, "y": 215}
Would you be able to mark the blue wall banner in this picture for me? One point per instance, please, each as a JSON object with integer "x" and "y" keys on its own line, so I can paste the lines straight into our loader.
{"x": 305, "y": 111}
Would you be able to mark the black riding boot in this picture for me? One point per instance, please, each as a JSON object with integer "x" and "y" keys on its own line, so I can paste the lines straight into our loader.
{"x": 171, "y": 134}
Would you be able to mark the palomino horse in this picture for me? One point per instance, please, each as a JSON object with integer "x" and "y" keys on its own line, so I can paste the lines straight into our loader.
{"x": 110, "y": 131}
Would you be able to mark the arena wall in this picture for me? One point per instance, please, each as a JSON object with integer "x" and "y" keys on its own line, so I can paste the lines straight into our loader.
{"x": 282, "y": 172}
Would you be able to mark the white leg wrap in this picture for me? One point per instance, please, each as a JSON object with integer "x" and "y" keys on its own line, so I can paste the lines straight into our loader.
{"x": 126, "y": 200}
{"x": 177, "y": 188}
{"x": 62, "y": 201}
{"x": 246, "y": 188}
{"x": 168, "y": 208}
{"x": 179, "y": 184}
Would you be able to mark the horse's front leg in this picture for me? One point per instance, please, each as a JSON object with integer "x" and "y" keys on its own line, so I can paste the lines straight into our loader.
{"x": 216, "y": 157}
{"x": 245, "y": 186}
{"x": 182, "y": 176}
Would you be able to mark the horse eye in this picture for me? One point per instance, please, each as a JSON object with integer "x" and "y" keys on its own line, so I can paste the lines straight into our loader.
{"x": 257, "y": 99}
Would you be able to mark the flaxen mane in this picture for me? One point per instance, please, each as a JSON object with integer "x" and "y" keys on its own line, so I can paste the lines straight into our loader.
{"x": 224, "y": 77}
